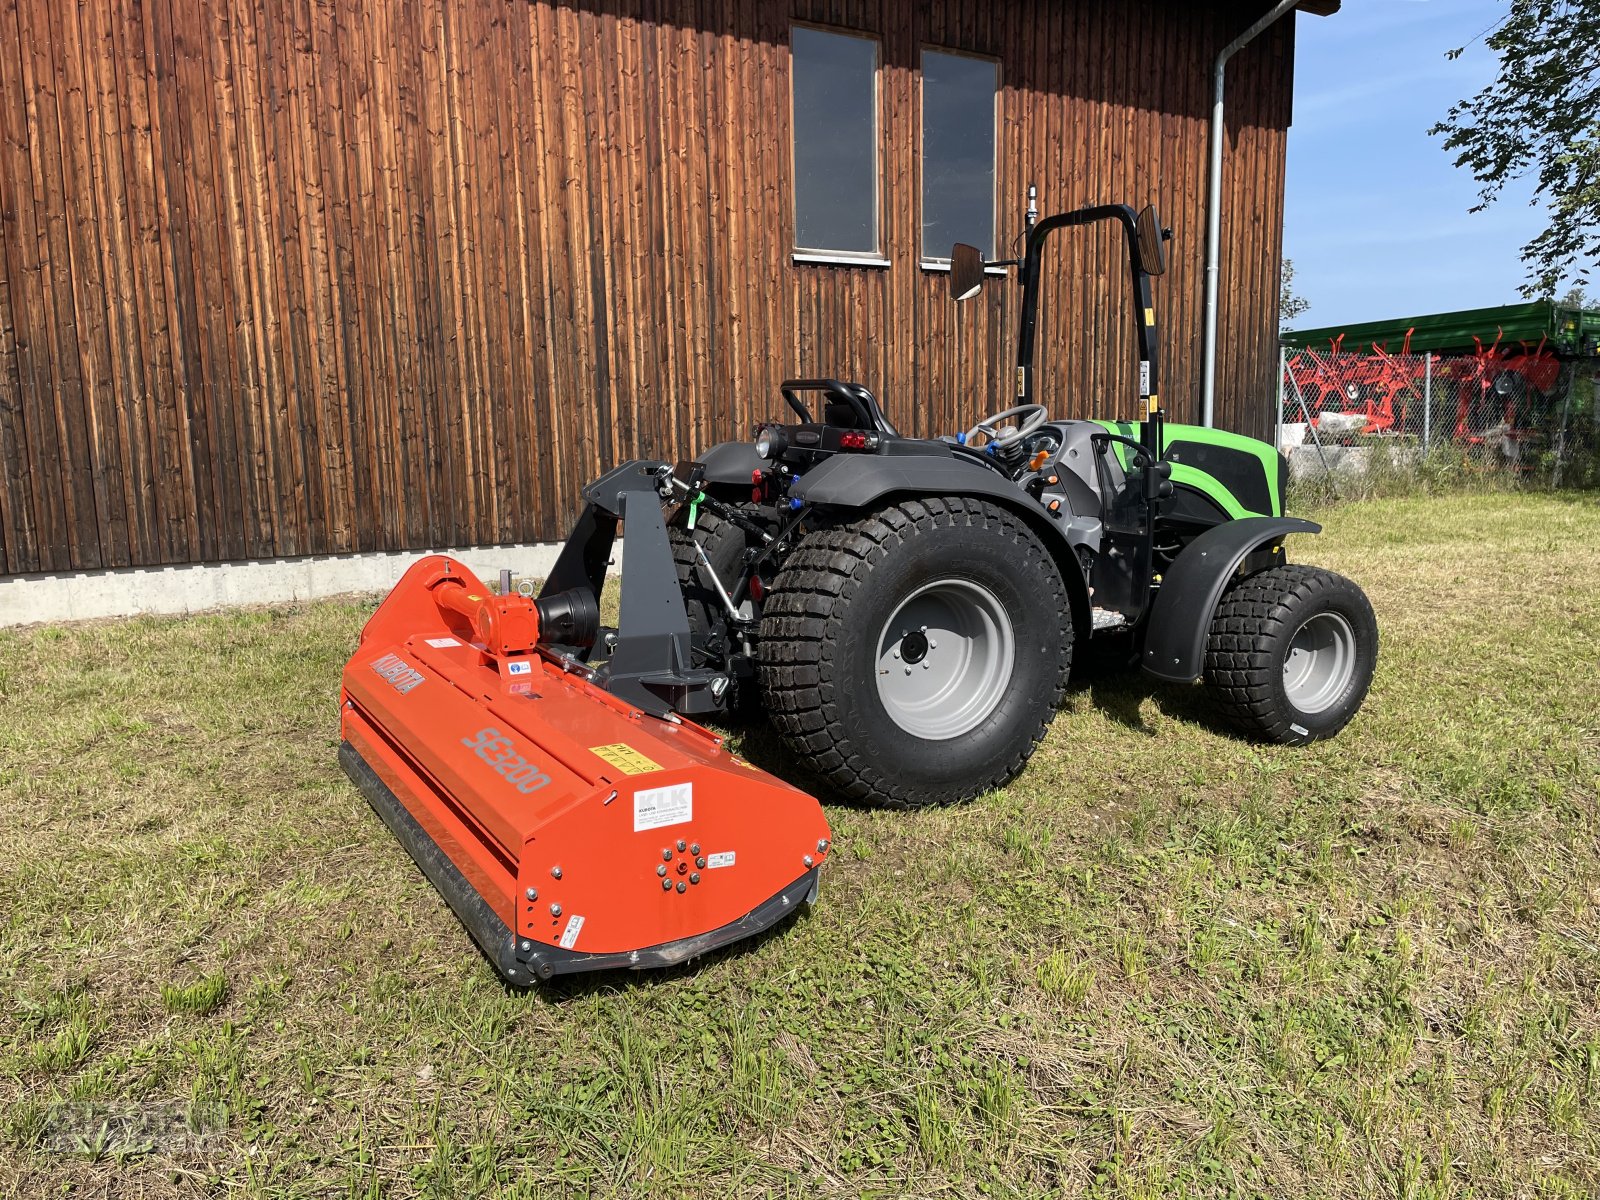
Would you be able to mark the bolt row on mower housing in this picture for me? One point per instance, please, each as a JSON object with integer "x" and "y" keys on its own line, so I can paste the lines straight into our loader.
{"x": 905, "y": 611}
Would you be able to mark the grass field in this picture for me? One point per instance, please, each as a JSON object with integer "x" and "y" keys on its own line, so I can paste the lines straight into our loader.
{"x": 1162, "y": 963}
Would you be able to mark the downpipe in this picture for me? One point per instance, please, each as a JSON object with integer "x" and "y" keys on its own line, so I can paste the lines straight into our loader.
{"x": 1208, "y": 386}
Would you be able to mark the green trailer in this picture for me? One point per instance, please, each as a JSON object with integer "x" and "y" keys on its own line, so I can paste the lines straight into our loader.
{"x": 1566, "y": 332}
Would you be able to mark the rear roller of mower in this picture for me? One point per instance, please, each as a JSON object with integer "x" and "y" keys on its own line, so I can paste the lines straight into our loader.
{"x": 569, "y": 829}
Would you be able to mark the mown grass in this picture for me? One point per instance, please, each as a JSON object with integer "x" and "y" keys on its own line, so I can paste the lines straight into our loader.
{"x": 1163, "y": 963}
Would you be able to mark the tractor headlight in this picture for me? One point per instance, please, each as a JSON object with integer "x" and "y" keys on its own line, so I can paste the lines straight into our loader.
{"x": 771, "y": 442}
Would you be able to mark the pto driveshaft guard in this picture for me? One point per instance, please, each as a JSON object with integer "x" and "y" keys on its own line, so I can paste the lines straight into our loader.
{"x": 568, "y": 829}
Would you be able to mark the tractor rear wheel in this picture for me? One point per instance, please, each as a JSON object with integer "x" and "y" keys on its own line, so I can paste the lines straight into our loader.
{"x": 712, "y": 641}
{"x": 1291, "y": 653}
{"x": 724, "y": 545}
{"x": 914, "y": 656}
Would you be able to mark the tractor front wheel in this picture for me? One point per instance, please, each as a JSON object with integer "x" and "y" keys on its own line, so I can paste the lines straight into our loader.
{"x": 1291, "y": 653}
{"x": 914, "y": 656}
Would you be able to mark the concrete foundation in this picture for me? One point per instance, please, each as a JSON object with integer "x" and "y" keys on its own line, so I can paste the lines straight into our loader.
{"x": 1347, "y": 461}
{"x": 83, "y": 595}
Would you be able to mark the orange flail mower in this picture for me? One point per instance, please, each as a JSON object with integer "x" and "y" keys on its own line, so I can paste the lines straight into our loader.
{"x": 573, "y": 820}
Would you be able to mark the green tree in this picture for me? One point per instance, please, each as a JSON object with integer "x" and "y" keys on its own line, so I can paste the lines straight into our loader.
{"x": 1540, "y": 118}
{"x": 1290, "y": 306}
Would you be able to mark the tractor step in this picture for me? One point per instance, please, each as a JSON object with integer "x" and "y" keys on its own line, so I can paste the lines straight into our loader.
{"x": 1105, "y": 620}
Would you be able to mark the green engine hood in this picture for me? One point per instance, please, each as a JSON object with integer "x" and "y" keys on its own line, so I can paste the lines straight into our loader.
{"x": 1242, "y": 476}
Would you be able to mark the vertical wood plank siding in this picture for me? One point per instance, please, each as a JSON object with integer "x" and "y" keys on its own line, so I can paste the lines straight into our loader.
{"x": 316, "y": 276}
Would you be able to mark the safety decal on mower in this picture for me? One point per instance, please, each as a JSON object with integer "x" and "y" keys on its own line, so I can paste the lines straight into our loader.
{"x": 495, "y": 749}
{"x": 569, "y": 935}
{"x": 625, "y": 758}
{"x": 654, "y": 808}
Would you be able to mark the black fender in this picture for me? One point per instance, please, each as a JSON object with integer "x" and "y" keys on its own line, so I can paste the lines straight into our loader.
{"x": 864, "y": 482}
{"x": 1180, "y": 618}
{"x": 731, "y": 462}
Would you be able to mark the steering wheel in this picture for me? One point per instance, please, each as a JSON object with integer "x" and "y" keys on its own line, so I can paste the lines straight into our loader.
{"x": 1033, "y": 416}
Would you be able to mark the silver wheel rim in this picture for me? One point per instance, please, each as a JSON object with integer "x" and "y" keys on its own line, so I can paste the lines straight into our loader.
{"x": 1320, "y": 663}
{"x": 944, "y": 659}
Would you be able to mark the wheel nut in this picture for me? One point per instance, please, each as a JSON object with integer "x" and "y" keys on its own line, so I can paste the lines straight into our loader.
{"x": 694, "y": 848}
{"x": 701, "y": 863}
{"x": 666, "y": 885}
{"x": 806, "y": 860}
{"x": 526, "y": 946}
{"x": 555, "y": 872}
{"x": 682, "y": 887}
{"x": 666, "y": 855}
{"x": 662, "y": 869}
{"x": 682, "y": 845}
{"x": 822, "y": 845}
{"x": 555, "y": 910}
{"x": 695, "y": 878}
{"x": 533, "y": 893}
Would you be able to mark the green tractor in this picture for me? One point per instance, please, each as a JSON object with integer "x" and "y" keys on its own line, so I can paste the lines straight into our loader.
{"x": 906, "y": 610}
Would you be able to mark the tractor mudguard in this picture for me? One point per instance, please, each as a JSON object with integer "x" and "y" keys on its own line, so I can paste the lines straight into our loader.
{"x": 858, "y": 480}
{"x": 865, "y": 481}
{"x": 731, "y": 462}
{"x": 1175, "y": 640}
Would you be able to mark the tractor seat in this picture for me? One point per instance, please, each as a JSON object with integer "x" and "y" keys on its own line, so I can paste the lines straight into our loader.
{"x": 843, "y": 416}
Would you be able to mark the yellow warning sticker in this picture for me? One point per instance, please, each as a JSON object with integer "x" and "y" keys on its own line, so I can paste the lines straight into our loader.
{"x": 625, "y": 758}
{"x": 1149, "y": 316}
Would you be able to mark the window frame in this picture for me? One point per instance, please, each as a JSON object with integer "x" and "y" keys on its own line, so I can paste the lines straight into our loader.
{"x": 940, "y": 263}
{"x": 822, "y": 255}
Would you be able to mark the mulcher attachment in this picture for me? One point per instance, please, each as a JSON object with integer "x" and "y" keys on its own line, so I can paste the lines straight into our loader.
{"x": 570, "y": 828}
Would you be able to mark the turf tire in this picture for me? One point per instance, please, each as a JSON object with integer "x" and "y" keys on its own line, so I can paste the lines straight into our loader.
{"x": 724, "y": 544}
{"x": 1251, "y": 636}
{"x": 820, "y": 635}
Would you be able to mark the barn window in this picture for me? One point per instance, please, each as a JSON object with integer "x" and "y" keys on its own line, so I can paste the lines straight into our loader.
{"x": 835, "y": 94}
{"x": 958, "y": 120}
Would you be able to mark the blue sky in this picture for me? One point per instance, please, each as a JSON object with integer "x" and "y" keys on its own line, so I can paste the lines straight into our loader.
{"x": 1376, "y": 217}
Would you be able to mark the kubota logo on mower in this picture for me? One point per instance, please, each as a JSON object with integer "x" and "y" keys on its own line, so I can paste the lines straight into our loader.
{"x": 398, "y": 675}
{"x": 495, "y": 749}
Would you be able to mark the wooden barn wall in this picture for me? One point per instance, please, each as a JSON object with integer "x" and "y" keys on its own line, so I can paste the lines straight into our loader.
{"x": 315, "y": 276}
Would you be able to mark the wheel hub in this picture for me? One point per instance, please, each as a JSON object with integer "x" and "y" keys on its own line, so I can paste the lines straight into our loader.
{"x": 914, "y": 648}
{"x": 944, "y": 659}
{"x": 1320, "y": 663}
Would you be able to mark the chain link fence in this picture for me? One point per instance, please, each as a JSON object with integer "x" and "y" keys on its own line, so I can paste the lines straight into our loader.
{"x": 1525, "y": 414}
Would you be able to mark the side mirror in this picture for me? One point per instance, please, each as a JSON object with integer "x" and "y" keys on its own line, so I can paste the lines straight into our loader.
{"x": 1152, "y": 242}
{"x": 966, "y": 271}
